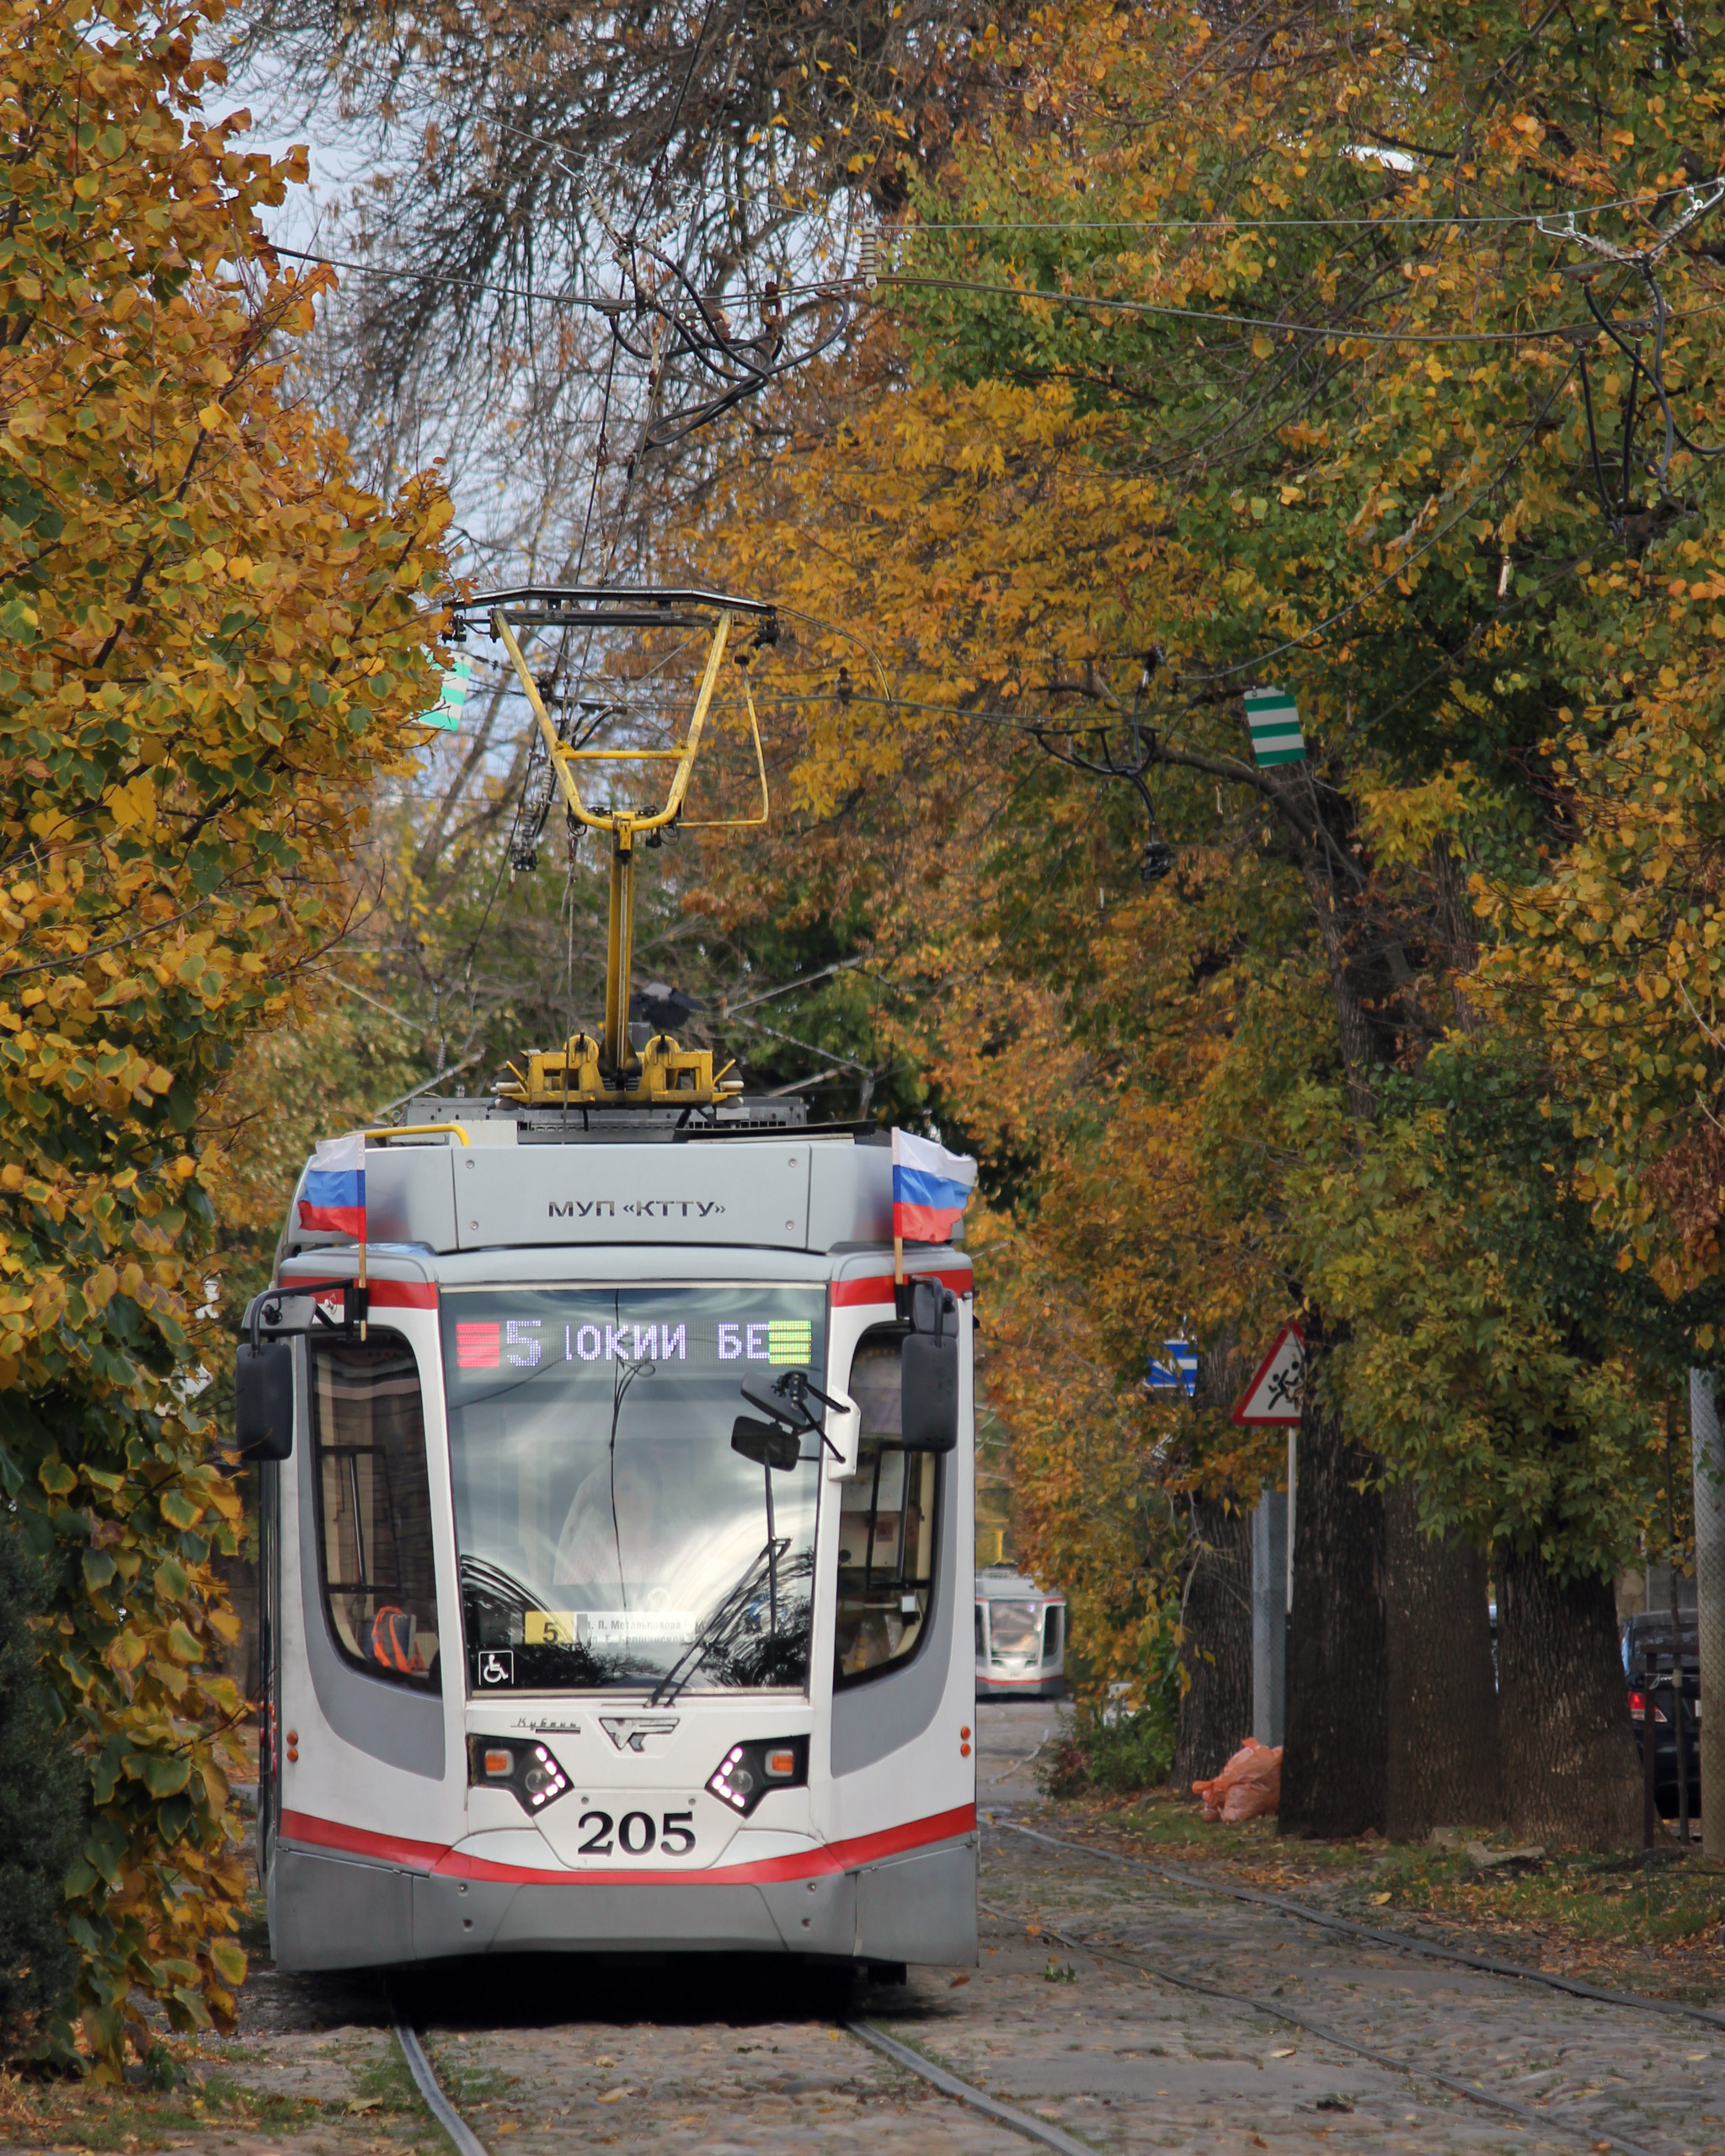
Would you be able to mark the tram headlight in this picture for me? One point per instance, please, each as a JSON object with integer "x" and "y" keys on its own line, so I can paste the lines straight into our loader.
{"x": 748, "y": 1771}
{"x": 528, "y": 1770}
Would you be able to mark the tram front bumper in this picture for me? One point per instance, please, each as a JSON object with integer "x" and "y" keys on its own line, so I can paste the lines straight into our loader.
{"x": 330, "y": 1912}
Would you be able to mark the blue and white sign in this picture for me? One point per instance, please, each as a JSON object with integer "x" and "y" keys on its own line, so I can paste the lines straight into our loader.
{"x": 1177, "y": 1372}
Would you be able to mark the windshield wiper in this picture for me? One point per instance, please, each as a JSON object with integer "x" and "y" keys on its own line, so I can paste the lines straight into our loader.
{"x": 726, "y": 1616}
{"x": 777, "y": 1445}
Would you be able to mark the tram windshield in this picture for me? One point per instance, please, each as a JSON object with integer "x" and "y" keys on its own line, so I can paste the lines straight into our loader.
{"x": 1015, "y": 1628}
{"x": 608, "y": 1534}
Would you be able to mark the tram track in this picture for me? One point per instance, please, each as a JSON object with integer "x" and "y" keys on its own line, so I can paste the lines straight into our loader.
{"x": 424, "y": 2076}
{"x": 1487, "y": 1963}
{"x": 1564, "y": 2119}
{"x": 1586, "y": 2132}
{"x": 467, "y": 2142}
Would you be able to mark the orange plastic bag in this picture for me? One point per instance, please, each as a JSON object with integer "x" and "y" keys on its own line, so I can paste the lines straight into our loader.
{"x": 1249, "y": 1787}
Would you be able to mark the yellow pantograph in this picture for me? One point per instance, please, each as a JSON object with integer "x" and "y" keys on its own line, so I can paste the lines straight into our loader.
{"x": 609, "y": 1071}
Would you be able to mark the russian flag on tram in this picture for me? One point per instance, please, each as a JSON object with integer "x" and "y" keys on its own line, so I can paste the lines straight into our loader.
{"x": 333, "y": 1198}
{"x": 930, "y": 1188}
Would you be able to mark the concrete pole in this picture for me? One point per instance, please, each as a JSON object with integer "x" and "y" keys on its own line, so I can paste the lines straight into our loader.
{"x": 1708, "y": 1451}
{"x": 1269, "y": 1618}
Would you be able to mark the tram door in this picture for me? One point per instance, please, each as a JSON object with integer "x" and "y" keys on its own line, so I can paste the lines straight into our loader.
{"x": 269, "y": 1661}
{"x": 902, "y": 1687}
{"x": 360, "y": 1722}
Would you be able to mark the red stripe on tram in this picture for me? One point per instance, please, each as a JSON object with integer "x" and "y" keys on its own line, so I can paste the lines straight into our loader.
{"x": 878, "y": 1287}
{"x": 402, "y": 1295}
{"x": 452, "y": 1864}
{"x": 382, "y": 1294}
{"x": 359, "y": 1841}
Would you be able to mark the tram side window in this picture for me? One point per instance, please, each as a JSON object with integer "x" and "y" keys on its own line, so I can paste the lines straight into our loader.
{"x": 374, "y": 1507}
{"x": 887, "y": 1522}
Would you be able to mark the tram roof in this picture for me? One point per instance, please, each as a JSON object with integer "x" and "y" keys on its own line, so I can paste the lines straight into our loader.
{"x": 1000, "y": 1583}
{"x": 480, "y": 1174}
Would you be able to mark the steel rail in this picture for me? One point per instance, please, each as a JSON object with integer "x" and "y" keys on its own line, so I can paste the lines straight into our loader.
{"x": 1490, "y": 1965}
{"x": 466, "y": 2142}
{"x": 962, "y": 2092}
{"x": 1585, "y": 2130}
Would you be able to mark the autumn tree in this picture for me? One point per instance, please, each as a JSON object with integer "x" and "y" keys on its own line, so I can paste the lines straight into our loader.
{"x": 211, "y": 642}
{"x": 1243, "y": 356}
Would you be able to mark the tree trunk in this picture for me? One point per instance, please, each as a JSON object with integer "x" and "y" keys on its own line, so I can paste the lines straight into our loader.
{"x": 1570, "y": 1767}
{"x": 1442, "y": 1763}
{"x": 1216, "y": 1714}
{"x": 1333, "y": 1766}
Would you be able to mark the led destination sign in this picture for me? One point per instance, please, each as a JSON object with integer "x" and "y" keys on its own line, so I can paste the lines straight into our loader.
{"x": 522, "y": 1343}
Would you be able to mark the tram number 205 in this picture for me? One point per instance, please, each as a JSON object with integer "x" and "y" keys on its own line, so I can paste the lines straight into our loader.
{"x": 637, "y": 1833}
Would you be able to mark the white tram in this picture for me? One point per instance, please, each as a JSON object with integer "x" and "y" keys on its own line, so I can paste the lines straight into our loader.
{"x": 611, "y": 1572}
{"x": 1021, "y": 1637}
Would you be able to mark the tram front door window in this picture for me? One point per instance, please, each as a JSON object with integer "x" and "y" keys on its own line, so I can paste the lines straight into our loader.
{"x": 886, "y": 1526}
{"x": 374, "y": 1507}
{"x": 608, "y": 1533}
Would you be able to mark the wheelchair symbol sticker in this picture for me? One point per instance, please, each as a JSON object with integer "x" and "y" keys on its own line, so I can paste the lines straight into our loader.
{"x": 495, "y": 1668}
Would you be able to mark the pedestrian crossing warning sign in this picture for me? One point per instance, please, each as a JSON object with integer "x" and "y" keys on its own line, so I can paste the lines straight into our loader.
{"x": 1275, "y": 1393}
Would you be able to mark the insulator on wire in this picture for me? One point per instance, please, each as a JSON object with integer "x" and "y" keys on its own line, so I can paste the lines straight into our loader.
{"x": 1158, "y": 860}
{"x": 868, "y": 257}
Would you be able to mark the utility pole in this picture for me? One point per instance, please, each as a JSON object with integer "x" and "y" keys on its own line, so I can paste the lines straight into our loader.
{"x": 1677, "y": 1716}
{"x": 1708, "y": 1455}
{"x": 1271, "y": 1544}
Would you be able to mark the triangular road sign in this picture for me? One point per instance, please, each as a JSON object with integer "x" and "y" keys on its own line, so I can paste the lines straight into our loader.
{"x": 1275, "y": 1392}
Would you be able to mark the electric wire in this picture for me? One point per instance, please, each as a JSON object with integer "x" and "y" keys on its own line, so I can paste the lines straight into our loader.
{"x": 840, "y": 287}
{"x": 1223, "y": 223}
{"x": 1327, "y": 333}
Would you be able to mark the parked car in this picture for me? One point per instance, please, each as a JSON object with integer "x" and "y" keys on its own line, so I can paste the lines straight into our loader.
{"x": 1651, "y": 1633}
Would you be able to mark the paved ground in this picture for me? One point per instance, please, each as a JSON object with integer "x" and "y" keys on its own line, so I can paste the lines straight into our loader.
{"x": 1012, "y": 1735}
{"x": 1082, "y": 2010}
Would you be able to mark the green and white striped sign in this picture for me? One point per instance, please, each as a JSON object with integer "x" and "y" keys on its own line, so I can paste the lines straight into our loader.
{"x": 447, "y": 714}
{"x": 1276, "y": 738}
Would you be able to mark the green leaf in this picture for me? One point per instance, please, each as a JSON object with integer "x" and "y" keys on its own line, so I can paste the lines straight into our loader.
{"x": 106, "y": 1847}
{"x": 163, "y": 1777}
{"x": 179, "y": 1510}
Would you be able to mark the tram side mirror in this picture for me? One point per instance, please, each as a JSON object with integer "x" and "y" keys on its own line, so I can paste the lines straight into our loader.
{"x": 263, "y": 1400}
{"x": 768, "y": 1444}
{"x": 928, "y": 1370}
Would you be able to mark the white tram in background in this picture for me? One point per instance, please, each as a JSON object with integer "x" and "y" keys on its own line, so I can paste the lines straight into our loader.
{"x": 1021, "y": 1637}
{"x": 611, "y": 1577}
